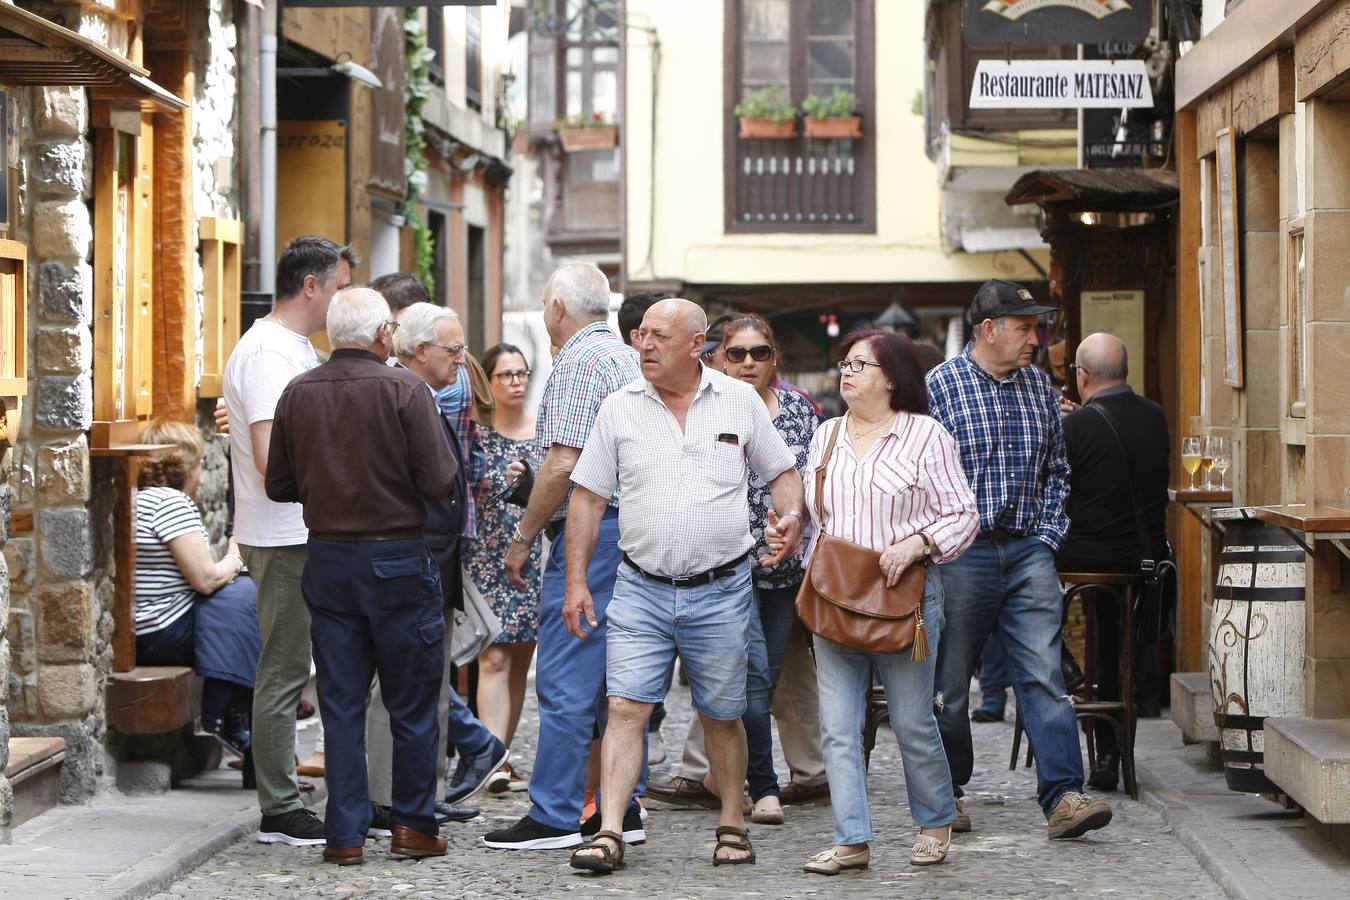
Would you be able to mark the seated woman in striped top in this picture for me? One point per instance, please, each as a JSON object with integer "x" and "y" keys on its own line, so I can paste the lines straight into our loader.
{"x": 191, "y": 608}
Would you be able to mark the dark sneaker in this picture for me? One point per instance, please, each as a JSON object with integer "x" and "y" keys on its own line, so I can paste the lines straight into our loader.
{"x": 448, "y": 812}
{"x": 1076, "y": 815}
{"x": 234, "y": 734}
{"x": 473, "y": 772}
{"x": 634, "y": 832}
{"x": 527, "y": 834}
{"x": 381, "y": 821}
{"x": 297, "y": 827}
{"x": 984, "y": 716}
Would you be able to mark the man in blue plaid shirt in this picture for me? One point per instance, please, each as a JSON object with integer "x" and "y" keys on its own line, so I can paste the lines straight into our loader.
{"x": 1005, "y": 418}
{"x": 591, "y": 364}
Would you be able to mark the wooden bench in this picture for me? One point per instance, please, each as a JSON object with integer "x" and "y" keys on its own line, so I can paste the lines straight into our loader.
{"x": 34, "y": 772}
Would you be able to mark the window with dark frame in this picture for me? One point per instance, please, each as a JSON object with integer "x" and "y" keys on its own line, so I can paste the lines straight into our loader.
{"x": 473, "y": 58}
{"x": 436, "y": 43}
{"x": 805, "y": 47}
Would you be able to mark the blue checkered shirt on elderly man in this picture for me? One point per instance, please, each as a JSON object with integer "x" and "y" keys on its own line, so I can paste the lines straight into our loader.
{"x": 455, "y": 401}
{"x": 1011, "y": 443}
{"x": 593, "y": 364}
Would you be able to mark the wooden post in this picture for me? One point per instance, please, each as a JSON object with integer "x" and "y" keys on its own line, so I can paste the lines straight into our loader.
{"x": 124, "y": 581}
{"x": 1190, "y": 573}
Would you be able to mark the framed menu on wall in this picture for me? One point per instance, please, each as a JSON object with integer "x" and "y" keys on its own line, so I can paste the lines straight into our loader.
{"x": 1230, "y": 265}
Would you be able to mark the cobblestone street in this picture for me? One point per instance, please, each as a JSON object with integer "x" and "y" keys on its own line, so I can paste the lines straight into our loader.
{"x": 1006, "y": 856}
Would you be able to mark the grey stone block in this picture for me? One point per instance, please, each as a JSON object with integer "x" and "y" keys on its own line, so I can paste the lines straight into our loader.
{"x": 6, "y": 513}
{"x": 59, "y": 166}
{"x": 1192, "y": 707}
{"x": 1310, "y": 760}
{"x": 67, "y": 546}
{"x": 144, "y": 776}
{"x": 64, "y": 403}
{"x": 79, "y": 772}
{"x": 66, "y": 291}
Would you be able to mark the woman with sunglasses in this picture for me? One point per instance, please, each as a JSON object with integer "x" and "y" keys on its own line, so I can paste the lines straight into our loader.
{"x": 750, "y": 355}
{"x": 503, "y": 667}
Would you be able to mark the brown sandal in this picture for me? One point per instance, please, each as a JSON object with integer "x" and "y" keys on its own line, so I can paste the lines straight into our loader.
{"x": 742, "y": 843}
{"x": 601, "y": 865}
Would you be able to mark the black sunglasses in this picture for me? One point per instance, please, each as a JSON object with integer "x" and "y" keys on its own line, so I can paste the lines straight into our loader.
{"x": 758, "y": 354}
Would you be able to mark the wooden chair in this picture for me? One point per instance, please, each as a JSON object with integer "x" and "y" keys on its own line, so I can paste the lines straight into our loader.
{"x": 1124, "y": 591}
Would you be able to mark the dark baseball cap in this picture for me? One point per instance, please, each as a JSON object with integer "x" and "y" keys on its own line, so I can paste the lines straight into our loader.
{"x": 997, "y": 298}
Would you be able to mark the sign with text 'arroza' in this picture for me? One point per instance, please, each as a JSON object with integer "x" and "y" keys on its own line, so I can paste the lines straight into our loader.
{"x": 1056, "y": 84}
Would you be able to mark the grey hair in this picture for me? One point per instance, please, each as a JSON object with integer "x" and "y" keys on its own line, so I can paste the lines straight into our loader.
{"x": 355, "y": 317}
{"x": 582, "y": 289}
{"x": 417, "y": 325}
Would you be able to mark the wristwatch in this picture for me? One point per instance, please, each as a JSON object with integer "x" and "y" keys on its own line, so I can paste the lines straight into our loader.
{"x": 797, "y": 513}
{"x": 519, "y": 538}
{"x": 928, "y": 547}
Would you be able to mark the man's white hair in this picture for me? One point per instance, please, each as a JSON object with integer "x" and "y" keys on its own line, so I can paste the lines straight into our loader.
{"x": 355, "y": 317}
{"x": 417, "y": 325}
{"x": 583, "y": 290}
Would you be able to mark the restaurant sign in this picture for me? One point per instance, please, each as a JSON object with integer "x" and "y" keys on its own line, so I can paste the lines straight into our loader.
{"x": 1058, "y": 84}
{"x": 1050, "y": 22}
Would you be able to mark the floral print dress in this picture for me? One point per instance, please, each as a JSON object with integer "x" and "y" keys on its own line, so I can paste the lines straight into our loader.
{"x": 517, "y": 610}
{"x": 796, "y": 422}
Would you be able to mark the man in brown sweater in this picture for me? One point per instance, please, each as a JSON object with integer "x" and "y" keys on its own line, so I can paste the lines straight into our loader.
{"x": 361, "y": 446}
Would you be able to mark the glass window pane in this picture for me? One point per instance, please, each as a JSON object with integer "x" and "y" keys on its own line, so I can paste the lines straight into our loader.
{"x": 765, "y": 20}
{"x": 766, "y": 63}
{"x": 832, "y": 59}
{"x": 605, "y": 93}
{"x": 830, "y": 17}
{"x": 593, "y": 165}
{"x": 605, "y": 56}
{"x": 592, "y": 20}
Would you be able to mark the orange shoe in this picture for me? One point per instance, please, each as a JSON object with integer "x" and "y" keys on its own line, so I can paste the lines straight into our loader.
{"x": 588, "y": 808}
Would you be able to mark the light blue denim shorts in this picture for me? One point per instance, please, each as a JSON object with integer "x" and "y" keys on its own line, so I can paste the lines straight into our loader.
{"x": 649, "y": 622}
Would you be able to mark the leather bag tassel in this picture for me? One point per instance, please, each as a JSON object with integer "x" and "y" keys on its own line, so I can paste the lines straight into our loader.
{"x": 920, "y": 652}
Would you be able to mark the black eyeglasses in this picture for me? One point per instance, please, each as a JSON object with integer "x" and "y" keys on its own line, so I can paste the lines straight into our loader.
{"x": 760, "y": 353}
{"x": 855, "y": 365}
{"x": 1075, "y": 367}
{"x": 511, "y": 377}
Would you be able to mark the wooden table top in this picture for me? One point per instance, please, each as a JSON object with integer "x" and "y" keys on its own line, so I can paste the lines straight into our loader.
{"x": 1315, "y": 519}
{"x": 1207, "y": 496}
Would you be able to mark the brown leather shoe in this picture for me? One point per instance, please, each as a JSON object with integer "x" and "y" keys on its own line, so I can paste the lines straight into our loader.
{"x": 802, "y": 793}
{"x": 408, "y": 842}
{"x": 682, "y": 792}
{"x": 343, "y": 856}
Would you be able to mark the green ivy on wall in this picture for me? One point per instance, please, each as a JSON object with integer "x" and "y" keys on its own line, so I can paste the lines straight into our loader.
{"x": 416, "y": 89}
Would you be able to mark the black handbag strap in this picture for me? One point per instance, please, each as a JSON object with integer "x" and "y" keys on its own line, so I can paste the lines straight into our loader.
{"x": 1146, "y": 563}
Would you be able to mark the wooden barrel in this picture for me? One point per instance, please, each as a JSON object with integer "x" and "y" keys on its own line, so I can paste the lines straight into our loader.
{"x": 1256, "y": 641}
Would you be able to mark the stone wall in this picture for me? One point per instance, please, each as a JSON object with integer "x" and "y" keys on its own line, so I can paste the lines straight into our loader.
{"x": 6, "y": 790}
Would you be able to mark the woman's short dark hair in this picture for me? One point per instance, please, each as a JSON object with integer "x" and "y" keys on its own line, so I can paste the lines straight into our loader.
{"x": 749, "y": 322}
{"x": 496, "y": 352}
{"x": 930, "y": 355}
{"x": 900, "y": 365}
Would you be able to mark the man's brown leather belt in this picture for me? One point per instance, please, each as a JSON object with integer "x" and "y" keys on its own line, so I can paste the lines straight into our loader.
{"x": 687, "y": 581}
{"x": 353, "y": 537}
{"x": 1000, "y": 534}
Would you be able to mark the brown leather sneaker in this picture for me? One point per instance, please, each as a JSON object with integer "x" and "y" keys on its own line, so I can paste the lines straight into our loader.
{"x": 961, "y": 825}
{"x": 344, "y": 856}
{"x": 408, "y": 842}
{"x": 1076, "y": 815}
{"x": 683, "y": 792}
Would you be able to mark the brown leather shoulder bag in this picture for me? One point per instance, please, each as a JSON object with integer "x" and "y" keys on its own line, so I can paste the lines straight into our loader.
{"x": 844, "y": 597}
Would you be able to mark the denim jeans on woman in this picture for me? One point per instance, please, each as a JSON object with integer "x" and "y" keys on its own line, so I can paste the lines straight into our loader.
{"x": 844, "y": 677}
{"x": 1010, "y": 590}
{"x": 767, "y": 643}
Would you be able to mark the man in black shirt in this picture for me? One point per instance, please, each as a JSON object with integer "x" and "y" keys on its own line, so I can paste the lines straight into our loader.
{"x": 1103, "y": 531}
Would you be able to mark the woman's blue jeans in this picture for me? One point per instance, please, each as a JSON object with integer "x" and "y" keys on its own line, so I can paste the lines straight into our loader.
{"x": 767, "y": 644}
{"x": 843, "y": 679}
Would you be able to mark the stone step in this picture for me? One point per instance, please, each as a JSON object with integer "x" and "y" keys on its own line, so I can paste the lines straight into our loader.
{"x": 34, "y": 771}
{"x": 1310, "y": 760}
{"x": 1193, "y": 707}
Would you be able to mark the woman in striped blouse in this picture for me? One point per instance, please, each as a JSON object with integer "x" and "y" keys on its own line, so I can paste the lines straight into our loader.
{"x": 191, "y": 608}
{"x": 892, "y": 483}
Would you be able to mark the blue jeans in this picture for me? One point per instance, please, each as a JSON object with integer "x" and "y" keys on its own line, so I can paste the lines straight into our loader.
{"x": 376, "y": 606}
{"x": 708, "y": 625}
{"x": 570, "y": 682}
{"x": 843, "y": 679}
{"x": 1009, "y": 590}
{"x": 767, "y": 645}
{"x": 994, "y": 678}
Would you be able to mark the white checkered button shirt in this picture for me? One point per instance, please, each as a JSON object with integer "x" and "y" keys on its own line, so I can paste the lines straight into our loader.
{"x": 683, "y": 509}
{"x": 591, "y": 365}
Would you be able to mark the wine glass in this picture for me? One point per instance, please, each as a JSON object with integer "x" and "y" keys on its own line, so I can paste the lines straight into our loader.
{"x": 1208, "y": 445}
{"x": 1190, "y": 457}
{"x": 1223, "y": 459}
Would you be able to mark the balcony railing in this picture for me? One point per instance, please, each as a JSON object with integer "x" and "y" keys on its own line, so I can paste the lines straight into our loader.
{"x": 799, "y": 185}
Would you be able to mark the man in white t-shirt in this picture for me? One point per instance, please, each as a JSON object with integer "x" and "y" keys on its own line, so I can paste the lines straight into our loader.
{"x": 272, "y": 536}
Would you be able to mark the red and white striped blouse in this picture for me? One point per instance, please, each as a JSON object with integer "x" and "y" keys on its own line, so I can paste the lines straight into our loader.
{"x": 910, "y": 481}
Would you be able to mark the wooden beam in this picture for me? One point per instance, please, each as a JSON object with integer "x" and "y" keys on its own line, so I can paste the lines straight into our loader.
{"x": 106, "y": 307}
{"x": 175, "y": 297}
{"x": 1185, "y": 527}
{"x": 124, "y": 578}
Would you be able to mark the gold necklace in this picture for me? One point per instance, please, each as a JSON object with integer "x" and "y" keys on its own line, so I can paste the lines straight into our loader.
{"x": 861, "y": 434}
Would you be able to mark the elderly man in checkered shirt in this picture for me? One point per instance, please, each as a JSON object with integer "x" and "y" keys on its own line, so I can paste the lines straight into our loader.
{"x": 675, "y": 445}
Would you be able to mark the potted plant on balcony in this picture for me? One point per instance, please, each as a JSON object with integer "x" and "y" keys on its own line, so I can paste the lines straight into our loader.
{"x": 766, "y": 114}
{"x": 831, "y": 118}
{"x": 594, "y": 132}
